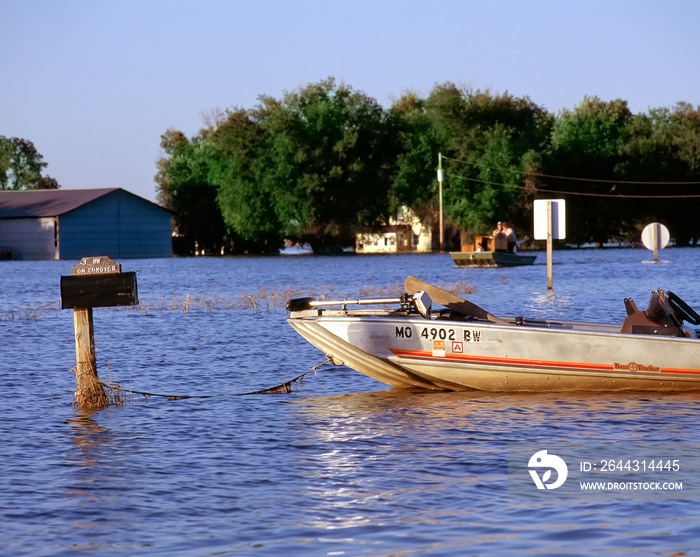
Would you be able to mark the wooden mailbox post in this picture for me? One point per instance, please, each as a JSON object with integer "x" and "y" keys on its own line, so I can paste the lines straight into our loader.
{"x": 94, "y": 282}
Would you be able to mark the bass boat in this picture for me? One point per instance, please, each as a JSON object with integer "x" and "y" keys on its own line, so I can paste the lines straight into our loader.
{"x": 405, "y": 342}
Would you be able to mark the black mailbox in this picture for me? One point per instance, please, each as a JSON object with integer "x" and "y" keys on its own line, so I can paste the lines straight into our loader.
{"x": 99, "y": 291}
{"x": 98, "y": 282}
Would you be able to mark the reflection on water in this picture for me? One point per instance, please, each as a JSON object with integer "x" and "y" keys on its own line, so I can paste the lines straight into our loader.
{"x": 89, "y": 482}
{"x": 512, "y": 416}
{"x": 89, "y": 437}
{"x": 391, "y": 455}
{"x": 408, "y": 460}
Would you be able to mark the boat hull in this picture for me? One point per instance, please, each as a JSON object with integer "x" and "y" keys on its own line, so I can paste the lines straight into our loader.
{"x": 473, "y": 355}
{"x": 490, "y": 259}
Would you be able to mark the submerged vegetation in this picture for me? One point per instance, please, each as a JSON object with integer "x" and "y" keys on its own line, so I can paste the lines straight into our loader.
{"x": 29, "y": 313}
{"x": 263, "y": 298}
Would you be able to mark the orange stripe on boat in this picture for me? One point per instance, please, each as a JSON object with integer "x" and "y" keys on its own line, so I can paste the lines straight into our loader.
{"x": 420, "y": 354}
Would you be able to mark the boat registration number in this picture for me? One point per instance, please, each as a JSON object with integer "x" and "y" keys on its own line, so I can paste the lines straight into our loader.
{"x": 439, "y": 333}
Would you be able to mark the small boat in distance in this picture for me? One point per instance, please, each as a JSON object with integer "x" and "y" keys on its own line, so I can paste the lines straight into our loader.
{"x": 490, "y": 259}
{"x": 464, "y": 347}
{"x": 482, "y": 254}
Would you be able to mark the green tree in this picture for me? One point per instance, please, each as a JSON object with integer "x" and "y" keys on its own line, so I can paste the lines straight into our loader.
{"x": 686, "y": 120}
{"x": 663, "y": 146}
{"x": 21, "y": 165}
{"x": 421, "y": 139}
{"x": 170, "y": 142}
{"x": 185, "y": 183}
{"x": 6, "y": 150}
{"x": 246, "y": 194}
{"x": 490, "y": 189}
{"x": 326, "y": 160}
{"x": 493, "y": 142}
{"x": 587, "y": 147}
{"x": 47, "y": 183}
{"x": 330, "y": 152}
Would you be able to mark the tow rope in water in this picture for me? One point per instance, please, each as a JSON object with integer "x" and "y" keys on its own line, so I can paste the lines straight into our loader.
{"x": 287, "y": 387}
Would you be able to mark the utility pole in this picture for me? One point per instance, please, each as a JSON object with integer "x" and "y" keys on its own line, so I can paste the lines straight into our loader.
{"x": 441, "y": 178}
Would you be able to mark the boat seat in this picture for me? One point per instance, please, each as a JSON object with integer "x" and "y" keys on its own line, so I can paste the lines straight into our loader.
{"x": 657, "y": 319}
{"x": 454, "y": 315}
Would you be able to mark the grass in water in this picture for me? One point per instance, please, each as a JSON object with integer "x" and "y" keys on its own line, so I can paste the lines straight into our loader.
{"x": 263, "y": 298}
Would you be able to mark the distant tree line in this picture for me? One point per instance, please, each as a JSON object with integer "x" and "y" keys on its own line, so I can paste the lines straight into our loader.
{"x": 325, "y": 161}
{"x": 21, "y": 166}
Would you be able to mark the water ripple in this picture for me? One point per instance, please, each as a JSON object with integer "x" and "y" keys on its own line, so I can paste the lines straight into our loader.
{"x": 344, "y": 467}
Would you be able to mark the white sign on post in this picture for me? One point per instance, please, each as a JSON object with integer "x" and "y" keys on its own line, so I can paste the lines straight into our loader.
{"x": 558, "y": 219}
{"x": 655, "y": 237}
{"x": 550, "y": 224}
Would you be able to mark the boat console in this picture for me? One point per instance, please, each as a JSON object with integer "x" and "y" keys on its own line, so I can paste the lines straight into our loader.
{"x": 664, "y": 315}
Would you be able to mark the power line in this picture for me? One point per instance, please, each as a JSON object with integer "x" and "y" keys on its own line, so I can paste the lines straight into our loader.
{"x": 614, "y": 181}
{"x": 620, "y": 196}
{"x": 587, "y": 194}
{"x": 597, "y": 180}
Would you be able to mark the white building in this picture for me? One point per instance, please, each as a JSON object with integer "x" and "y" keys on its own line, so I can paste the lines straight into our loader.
{"x": 405, "y": 233}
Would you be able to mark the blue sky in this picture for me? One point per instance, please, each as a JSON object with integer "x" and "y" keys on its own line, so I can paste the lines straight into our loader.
{"x": 95, "y": 83}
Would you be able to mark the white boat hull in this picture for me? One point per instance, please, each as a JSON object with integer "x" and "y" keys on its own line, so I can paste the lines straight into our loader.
{"x": 410, "y": 351}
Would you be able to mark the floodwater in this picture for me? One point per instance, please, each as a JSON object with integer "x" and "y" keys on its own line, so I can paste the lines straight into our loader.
{"x": 346, "y": 466}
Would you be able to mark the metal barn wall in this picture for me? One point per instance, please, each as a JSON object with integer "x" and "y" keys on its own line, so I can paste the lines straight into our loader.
{"x": 116, "y": 225}
{"x": 30, "y": 238}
